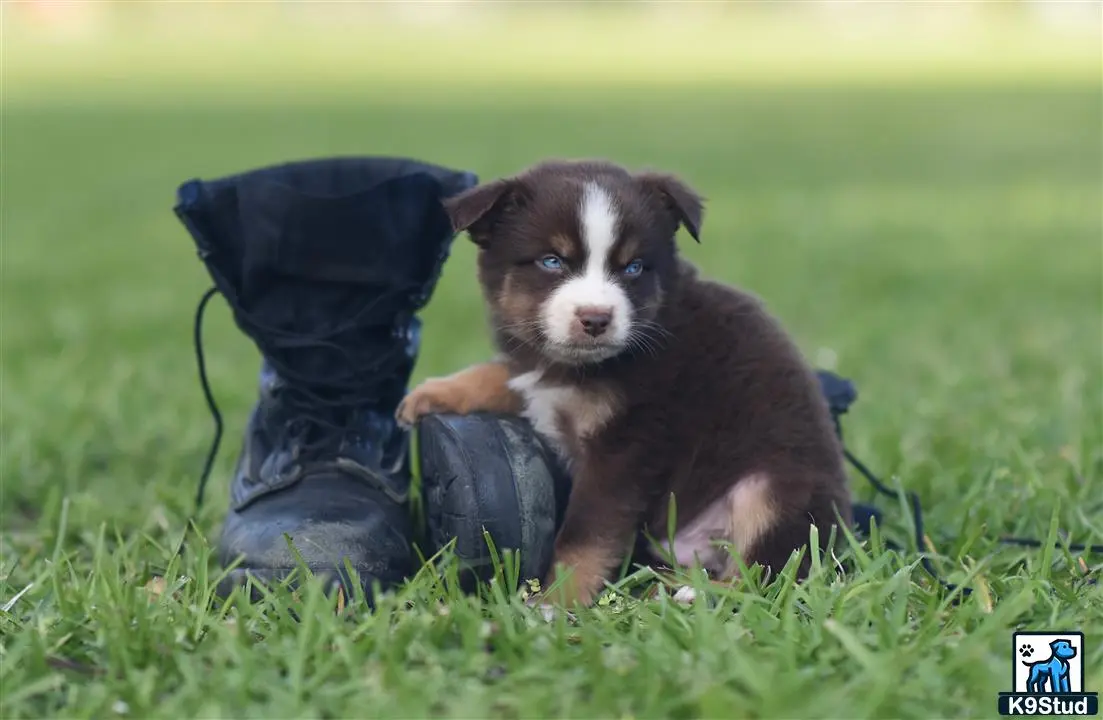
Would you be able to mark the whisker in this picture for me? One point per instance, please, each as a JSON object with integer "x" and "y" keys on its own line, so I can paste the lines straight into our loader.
{"x": 663, "y": 332}
{"x": 521, "y": 325}
{"x": 641, "y": 338}
{"x": 641, "y": 341}
{"x": 514, "y": 342}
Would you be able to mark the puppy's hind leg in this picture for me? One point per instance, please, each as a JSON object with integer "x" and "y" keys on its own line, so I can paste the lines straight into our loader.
{"x": 769, "y": 523}
{"x": 733, "y": 524}
{"x": 751, "y": 517}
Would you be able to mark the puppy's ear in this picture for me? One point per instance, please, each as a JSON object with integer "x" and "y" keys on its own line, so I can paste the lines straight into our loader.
{"x": 477, "y": 209}
{"x": 679, "y": 200}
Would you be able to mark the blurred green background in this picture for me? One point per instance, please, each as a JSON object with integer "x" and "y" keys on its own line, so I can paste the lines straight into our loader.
{"x": 914, "y": 189}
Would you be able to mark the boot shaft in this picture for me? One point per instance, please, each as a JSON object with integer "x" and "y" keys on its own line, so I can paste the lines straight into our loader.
{"x": 324, "y": 248}
{"x": 324, "y": 264}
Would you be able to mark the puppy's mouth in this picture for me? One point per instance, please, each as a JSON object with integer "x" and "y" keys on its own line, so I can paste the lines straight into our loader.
{"x": 581, "y": 352}
{"x": 575, "y": 351}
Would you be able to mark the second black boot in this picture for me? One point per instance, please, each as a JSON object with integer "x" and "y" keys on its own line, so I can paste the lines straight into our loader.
{"x": 324, "y": 264}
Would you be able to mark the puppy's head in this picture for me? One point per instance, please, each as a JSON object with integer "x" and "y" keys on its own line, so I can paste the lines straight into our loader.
{"x": 574, "y": 256}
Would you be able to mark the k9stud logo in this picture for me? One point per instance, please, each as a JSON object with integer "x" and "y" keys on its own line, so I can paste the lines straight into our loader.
{"x": 1048, "y": 675}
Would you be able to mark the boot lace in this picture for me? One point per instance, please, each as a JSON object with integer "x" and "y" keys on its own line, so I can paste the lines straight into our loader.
{"x": 321, "y": 404}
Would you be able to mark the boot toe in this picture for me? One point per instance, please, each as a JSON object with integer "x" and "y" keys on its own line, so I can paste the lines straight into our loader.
{"x": 333, "y": 522}
{"x": 489, "y": 472}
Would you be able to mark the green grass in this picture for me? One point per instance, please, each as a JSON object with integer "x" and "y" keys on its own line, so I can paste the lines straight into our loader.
{"x": 940, "y": 242}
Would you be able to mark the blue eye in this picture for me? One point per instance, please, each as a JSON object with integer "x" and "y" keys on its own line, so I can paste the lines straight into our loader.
{"x": 551, "y": 262}
{"x": 633, "y": 268}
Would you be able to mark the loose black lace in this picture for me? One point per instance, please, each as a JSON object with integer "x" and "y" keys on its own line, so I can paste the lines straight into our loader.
{"x": 318, "y": 405}
{"x": 919, "y": 531}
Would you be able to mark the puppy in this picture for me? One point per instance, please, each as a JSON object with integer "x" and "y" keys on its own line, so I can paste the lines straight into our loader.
{"x": 663, "y": 392}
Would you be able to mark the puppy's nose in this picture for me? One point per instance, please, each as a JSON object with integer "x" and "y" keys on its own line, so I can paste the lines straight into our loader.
{"x": 594, "y": 320}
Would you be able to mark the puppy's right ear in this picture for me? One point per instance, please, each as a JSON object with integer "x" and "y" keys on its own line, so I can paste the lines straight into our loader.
{"x": 479, "y": 208}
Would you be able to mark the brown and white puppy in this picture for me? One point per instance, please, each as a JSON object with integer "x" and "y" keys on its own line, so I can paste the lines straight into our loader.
{"x": 650, "y": 380}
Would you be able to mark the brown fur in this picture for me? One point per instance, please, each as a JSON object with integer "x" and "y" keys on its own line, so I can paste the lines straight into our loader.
{"x": 708, "y": 401}
{"x": 479, "y": 387}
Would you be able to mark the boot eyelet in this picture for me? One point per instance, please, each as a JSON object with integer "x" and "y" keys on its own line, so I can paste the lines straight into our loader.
{"x": 291, "y": 472}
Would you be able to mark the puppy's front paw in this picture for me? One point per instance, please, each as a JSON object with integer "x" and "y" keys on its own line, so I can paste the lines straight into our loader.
{"x": 436, "y": 395}
{"x": 548, "y": 612}
{"x": 571, "y": 586}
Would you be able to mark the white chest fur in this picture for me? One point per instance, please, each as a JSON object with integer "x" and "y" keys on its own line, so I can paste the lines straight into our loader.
{"x": 557, "y": 409}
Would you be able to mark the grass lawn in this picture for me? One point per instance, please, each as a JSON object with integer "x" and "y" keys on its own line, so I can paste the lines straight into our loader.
{"x": 936, "y": 238}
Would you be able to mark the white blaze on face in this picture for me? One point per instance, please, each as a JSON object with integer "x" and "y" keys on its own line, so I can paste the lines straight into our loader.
{"x": 594, "y": 287}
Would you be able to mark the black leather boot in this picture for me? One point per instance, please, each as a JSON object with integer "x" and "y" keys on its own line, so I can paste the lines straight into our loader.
{"x": 324, "y": 264}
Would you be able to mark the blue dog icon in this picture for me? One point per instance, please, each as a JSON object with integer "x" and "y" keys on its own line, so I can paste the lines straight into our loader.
{"x": 1054, "y": 671}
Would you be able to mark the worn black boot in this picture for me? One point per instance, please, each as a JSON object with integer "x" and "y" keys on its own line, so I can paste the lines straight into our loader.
{"x": 324, "y": 264}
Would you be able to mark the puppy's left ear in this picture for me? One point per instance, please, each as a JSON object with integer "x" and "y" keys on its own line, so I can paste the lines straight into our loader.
{"x": 477, "y": 209}
{"x": 678, "y": 199}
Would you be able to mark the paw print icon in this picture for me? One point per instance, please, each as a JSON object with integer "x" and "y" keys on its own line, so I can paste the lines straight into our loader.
{"x": 1026, "y": 650}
